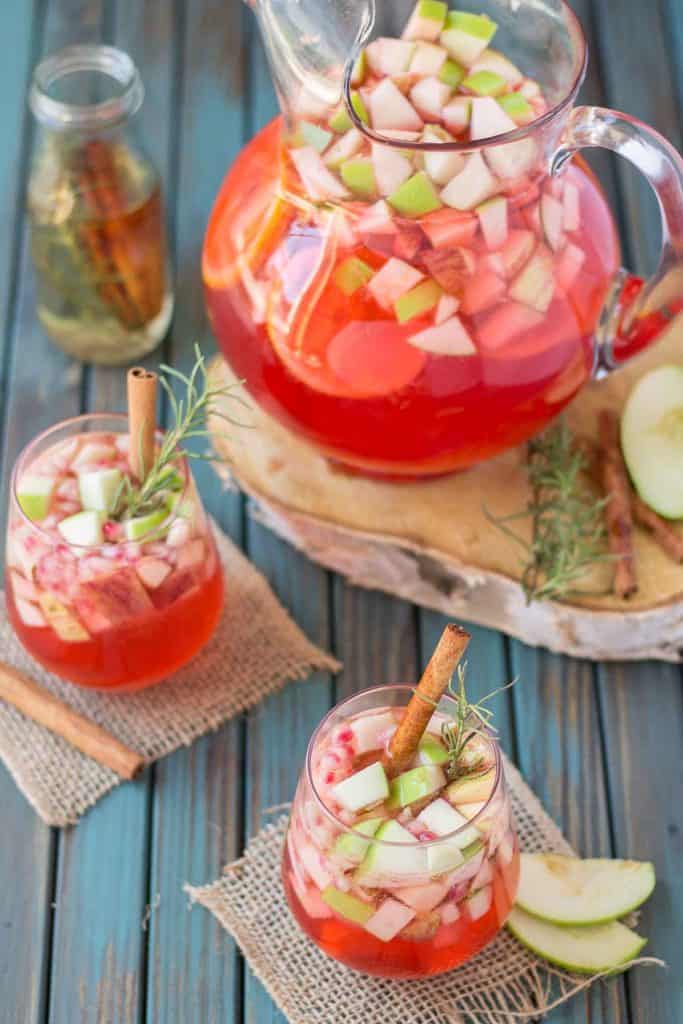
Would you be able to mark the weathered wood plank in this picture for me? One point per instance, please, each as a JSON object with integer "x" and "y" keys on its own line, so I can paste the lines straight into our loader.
{"x": 558, "y": 751}
{"x": 642, "y": 717}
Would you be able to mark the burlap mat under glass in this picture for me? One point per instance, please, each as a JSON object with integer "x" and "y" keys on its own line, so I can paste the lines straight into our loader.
{"x": 503, "y": 984}
{"x": 255, "y": 650}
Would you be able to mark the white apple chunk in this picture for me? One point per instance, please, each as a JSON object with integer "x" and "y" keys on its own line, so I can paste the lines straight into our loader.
{"x": 449, "y": 338}
{"x": 552, "y": 217}
{"x": 428, "y": 59}
{"x": 363, "y": 788}
{"x": 318, "y": 181}
{"x": 442, "y": 819}
{"x": 377, "y": 220}
{"x": 471, "y": 186}
{"x": 370, "y": 730}
{"x": 535, "y": 285}
{"x": 391, "y": 918}
{"x": 441, "y": 166}
{"x": 456, "y": 114}
{"x": 350, "y": 143}
{"x": 429, "y": 96}
{"x": 488, "y": 119}
{"x": 492, "y": 60}
{"x": 493, "y": 218}
{"x": 445, "y": 309}
{"x": 389, "y": 56}
{"x": 391, "y": 168}
{"x": 390, "y": 109}
{"x": 392, "y": 281}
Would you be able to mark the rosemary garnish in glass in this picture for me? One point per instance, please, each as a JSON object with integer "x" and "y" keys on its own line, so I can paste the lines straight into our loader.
{"x": 567, "y": 524}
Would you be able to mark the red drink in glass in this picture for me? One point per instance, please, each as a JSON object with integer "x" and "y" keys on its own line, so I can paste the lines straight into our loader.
{"x": 411, "y": 883}
{"x": 108, "y": 605}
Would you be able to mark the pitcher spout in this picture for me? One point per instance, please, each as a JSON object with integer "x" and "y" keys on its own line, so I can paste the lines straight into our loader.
{"x": 309, "y": 43}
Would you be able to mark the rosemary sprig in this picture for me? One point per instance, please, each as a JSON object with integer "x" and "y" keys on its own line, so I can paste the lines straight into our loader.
{"x": 190, "y": 414}
{"x": 567, "y": 524}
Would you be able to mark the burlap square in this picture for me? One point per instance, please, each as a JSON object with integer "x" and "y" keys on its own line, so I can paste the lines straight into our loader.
{"x": 256, "y": 649}
{"x": 504, "y": 984}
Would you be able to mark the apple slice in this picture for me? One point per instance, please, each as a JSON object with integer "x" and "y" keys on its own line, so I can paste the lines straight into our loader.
{"x": 392, "y": 281}
{"x": 466, "y": 36}
{"x": 441, "y": 166}
{"x": 34, "y": 494}
{"x": 571, "y": 891}
{"x": 359, "y": 177}
{"x": 426, "y": 21}
{"x": 471, "y": 186}
{"x": 428, "y": 59}
{"x": 111, "y": 600}
{"x": 484, "y": 83}
{"x": 472, "y": 788}
{"x": 415, "y": 197}
{"x": 429, "y": 96}
{"x": 442, "y": 819}
{"x": 517, "y": 107}
{"x": 535, "y": 285}
{"x": 479, "y": 903}
{"x": 363, "y": 788}
{"x": 352, "y": 846}
{"x": 493, "y": 217}
{"x": 360, "y": 69}
{"x": 319, "y": 182}
{"x": 517, "y": 249}
{"x": 396, "y": 854}
{"x": 457, "y": 114}
{"x": 391, "y": 168}
{"x": 652, "y": 439}
{"x": 98, "y": 489}
{"x": 341, "y": 122}
{"x": 451, "y": 74}
{"x": 389, "y": 920}
{"x": 352, "y": 274}
{"x": 488, "y": 119}
{"x": 390, "y": 109}
{"x": 481, "y": 291}
{"x": 417, "y": 301}
{"x": 386, "y": 56}
{"x": 587, "y": 950}
{"x": 431, "y": 751}
{"x": 492, "y": 60}
{"x": 423, "y": 898}
{"x": 83, "y": 529}
{"x": 344, "y": 148}
{"x": 152, "y": 571}
{"x": 415, "y": 784}
{"x": 347, "y": 906}
{"x": 552, "y": 218}
{"x": 141, "y": 526}
{"x": 370, "y": 731}
{"x": 449, "y": 338}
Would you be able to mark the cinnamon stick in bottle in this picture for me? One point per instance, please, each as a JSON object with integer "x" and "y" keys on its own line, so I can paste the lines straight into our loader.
{"x": 618, "y": 516}
{"x": 43, "y": 707}
{"x": 430, "y": 690}
{"x": 142, "y": 414}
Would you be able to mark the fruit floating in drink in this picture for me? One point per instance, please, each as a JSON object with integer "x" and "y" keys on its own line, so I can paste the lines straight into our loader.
{"x": 408, "y": 873}
{"x": 109, "y": 585}
{"x": 397, "y": 277}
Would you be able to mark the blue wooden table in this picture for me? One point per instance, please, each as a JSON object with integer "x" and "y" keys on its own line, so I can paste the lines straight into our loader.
{"x": 600, "y": 744}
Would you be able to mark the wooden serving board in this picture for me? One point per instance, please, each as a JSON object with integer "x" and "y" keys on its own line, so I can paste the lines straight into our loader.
{"x": 431, "y": 543}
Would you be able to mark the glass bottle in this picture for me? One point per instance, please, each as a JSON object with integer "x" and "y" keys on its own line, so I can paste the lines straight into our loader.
{"x": 95, "y": 210}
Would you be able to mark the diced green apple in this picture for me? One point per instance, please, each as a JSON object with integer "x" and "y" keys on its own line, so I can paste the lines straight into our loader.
{"x": 442, "y": 819}
{"x": 488, "y": 119}
{"x": 353, "y": 845}
{"x": 449, "y": 338}
{"x": 431, "y": 751}
{"x": 83, "y": 529}
{"x": 346, "y": 147}
{"x": 415, "y": 197}
{"x": 484, "y": 83}
{"x": 493, "y": 218}
{"x": 535, "y": 285}
{"x": 394, "y": 279}
{"x": 352, "y": 274}
{"x": 471, "y": 186}
{"x": 98, "y": 489}
{"x": 360, "y": 69}
{"x": 415, "y": 784}
{"x": 466, "y": 36}
{"x": 390, "y": 109}
{"x": 456, "y": 114}
{"x": 472, "y": 788}
{"x": 426, "y": 21}
{"x": 429, "y": 96}
{"x": 362, "y": 789}
{"x": 341, "y": 122}
{"x": 386, "y": 56}
{"x": 451, "y": 74}
{"x": 392, "y": 168}
{"x": 418, "y": 301}
{"x": 318, "y": 181}
{"x": 571, "y": 891}
{"x": 428, "y": 60}
{"x": 492, "y": 60}
{"x": 517, "y": 107}
{"x": 391, "y": 918}
{"x": 34, "y": 494}
{"x": 347, "y": 906}
{"x": 394, "y": 853}
{"x": 63, "y": 622}
{"x": 652, "y": 439}
{"x": 441, "y": 166}
{"x": 359, "y": 177}
{"x": 141, "y": 526}
{"x": 585, "y": 950}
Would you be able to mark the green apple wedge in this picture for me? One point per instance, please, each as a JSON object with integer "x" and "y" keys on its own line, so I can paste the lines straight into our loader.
{"x": 587, "y": 950}
{"x": 652, "y": 439}
{"x": 34, "y": 494}
{"x": 348, "y": 906}
{"x": 570, "y": 891}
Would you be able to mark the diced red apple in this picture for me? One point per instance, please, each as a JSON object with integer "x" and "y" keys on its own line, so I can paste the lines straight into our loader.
{"x": 506, "y": 323}
{"x": 492, "y": 60}
{"x": 392, "y": 281}
{"x": 350, "y": 143}
{"x": 552, "y": 216}
{"x": 446, "y": 228}
{"x": 456, "y": 114}
{"x": 535, "y": 285}
{"x": 408, "y": 241}
{"x": 390, "y": 109}
{"x": 441, "y": 166}
{"x": 29, "y": 613}
{"x": 391, "y": 168}
{"x": 493, "y": 217}
{"x": 572, "y": 209}
{"x": 450, "y": 268}
{"x": 426, "y": 21}
{"x": 471, "y": 186}
{"x": 568, "y": 265}
{"x": 152, "y": 571}
{"x": 429, "y": 96}
{"x": 318, "y": 181}
{"x": 448, "y": 305}
{"x": 387, "y": 56}
{"x": 447, "y": 339}
{"x": 111, "y": 600}
{"x": 517, "y": 249}
{"x": 483, "y": 290}
{"x": 428, "y": 59}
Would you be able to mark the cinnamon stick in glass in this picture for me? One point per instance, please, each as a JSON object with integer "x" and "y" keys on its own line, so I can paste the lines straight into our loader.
{"x": 43, "y": 707}
{"x": 429, "y": 691}
{"x": 142, "y": 413}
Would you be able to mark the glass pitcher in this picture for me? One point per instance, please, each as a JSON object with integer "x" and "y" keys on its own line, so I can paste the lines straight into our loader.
{"x": 407, "y": 268}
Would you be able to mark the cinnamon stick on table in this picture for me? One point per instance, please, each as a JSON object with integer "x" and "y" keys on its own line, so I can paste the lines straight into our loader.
{"x": 669, "y": 540}
{"x": 430, "y": 690}
{"x": 142, "y": 419}
{"x": 618, "y": 508}
{"x": 44, "y": 708}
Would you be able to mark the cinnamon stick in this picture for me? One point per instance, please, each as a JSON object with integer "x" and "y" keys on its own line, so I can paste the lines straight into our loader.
{"x": 142, "y": 411}
{"x": 669, "y": 540}
{"x": 44, "y": 708}
{"x": 430, "y": 690}
{"x": 618, "y": 516}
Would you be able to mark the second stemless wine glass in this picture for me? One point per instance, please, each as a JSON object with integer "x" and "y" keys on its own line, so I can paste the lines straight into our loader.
{"x": 122, "y": 611}
{"x": 389, "y": 890}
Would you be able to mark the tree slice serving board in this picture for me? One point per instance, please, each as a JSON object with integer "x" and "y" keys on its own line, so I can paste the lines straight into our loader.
{"x": 430, "y": 542}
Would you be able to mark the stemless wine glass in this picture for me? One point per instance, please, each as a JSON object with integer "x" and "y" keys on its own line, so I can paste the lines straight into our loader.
{"x": 389, "y": 890}
{"x": 122, "y": 609}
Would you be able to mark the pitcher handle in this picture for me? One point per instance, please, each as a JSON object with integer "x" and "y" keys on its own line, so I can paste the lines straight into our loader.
{"x": 635, "y": 312}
